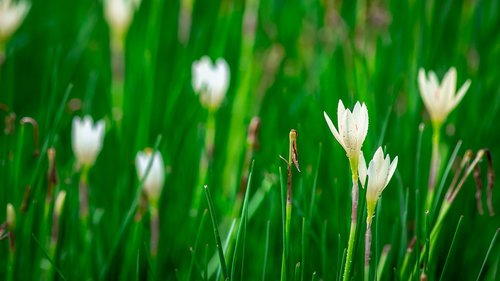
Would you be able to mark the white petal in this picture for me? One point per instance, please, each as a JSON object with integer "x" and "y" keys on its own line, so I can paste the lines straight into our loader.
{"x": 426, "y": 91}
{"x": 356, "y": 123}
{"x": 340, "y": 117}
{"x": 392, "y": 169}
{"x": 433, "y": 80}
{"x": 219, "y": 82}
{"x": 362, "y": 170}
{"x": 333, "y": 129}
{"x": 448, "y": 87}
{"x": 349, "y": 137}
{"x": 460, "y": 94}
{"x": 363, "y": 124}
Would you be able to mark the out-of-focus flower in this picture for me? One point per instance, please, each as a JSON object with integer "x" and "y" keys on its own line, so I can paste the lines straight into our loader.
{"x": 11, "y": 16}
{"x": 440, "y": 99}
{"x": 153, "y": 183}
{"x": 87, "y": 139}
{"x": 379, "y": 173}
{"x": 210, "y": 81}
{"x": 352, "y": 130}
{"x": 119, "y": 14}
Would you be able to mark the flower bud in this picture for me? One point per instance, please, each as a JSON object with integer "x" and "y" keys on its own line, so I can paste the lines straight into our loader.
{"x": 87, "y": 139}
{"x": 153, "y": 181}
{"x": 210, "y": 81}
{"x": 11, "y": 16}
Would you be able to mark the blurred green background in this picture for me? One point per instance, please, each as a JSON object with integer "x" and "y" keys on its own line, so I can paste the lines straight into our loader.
{"x": 290, "y": 61}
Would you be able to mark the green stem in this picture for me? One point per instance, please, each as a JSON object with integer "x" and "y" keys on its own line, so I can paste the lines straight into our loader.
{"x": 206, "y": 156}
{"x": 354, "y": 217}
{"x": 435, "y": 162}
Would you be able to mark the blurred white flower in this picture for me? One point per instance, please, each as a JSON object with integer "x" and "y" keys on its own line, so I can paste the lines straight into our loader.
{"x": 440, "y": 99}
{"x": 352, "y": 129}
{"x": 379, "y": 173}
{"x": 11, "y": 16}
{"x": 87, "y": 139}
{"x": 210, "y": 81}
{"x": 119, "y": 14}
{"x": 153, "y": 183}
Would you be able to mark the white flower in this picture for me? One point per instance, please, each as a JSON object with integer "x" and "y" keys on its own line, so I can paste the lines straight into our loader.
{"x": 11, "y": 16}
{"x": 118, "y": 14}
{"x": 87, "y": 139}
{"x": 379, "y": 173}
{"x": 440, "y": 99}
{"x": 153, "y": 183}
{"x": 352, "y": 128}
{"x": 210, "y": 81}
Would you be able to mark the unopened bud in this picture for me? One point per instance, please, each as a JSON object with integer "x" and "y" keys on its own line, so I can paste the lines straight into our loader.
{"x": 11, "y": 217}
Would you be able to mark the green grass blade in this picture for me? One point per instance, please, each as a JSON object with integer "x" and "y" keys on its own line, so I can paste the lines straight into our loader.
{"x": 452, "y": 247}
{"x": 218, "y": 243}
{"x": 242, "y": 225}
{"x": 47, "y": 256}
{"x": 266, "y": 251}
{"x": 492, "y": 243}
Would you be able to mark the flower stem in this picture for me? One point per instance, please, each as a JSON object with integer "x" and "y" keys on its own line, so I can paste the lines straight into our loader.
{"x": 206, "y": 157}
{"x": 435, "y": 162}
{"x": 352, "y": 233}
{"x": 84, "y": 194}
{"x": 368, "y": 241}
{"x": 155, "y": 230}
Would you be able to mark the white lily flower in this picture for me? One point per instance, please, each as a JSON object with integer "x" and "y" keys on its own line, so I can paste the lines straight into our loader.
{"x": 119, "y": 14}
{"x": 87, "y": 139}
{"x": 352, "y": 129}
{"x": 379, "y": 173}
{"x": 11, "y": 16}
{"x": 440, "y": 99}
{"x": 210, "y": 81}
{"x": 153, "y": 183}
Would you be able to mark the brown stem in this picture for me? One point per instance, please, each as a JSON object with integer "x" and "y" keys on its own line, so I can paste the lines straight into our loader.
{"x": 155, "y": 230}
{"x": 84, "y": 200}
{"x": 368, "y": 241}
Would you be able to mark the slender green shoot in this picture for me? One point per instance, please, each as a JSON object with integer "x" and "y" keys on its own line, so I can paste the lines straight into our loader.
{"x": 266, "y": 251}
{"x": 492, "y": 243}
{"x": 218, "y": 243}
{"x": 195, "y": 248}
{"x": 452, "y": 247}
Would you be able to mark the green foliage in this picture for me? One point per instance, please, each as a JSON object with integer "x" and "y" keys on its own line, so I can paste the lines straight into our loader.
{"x": 289, "y": 61}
